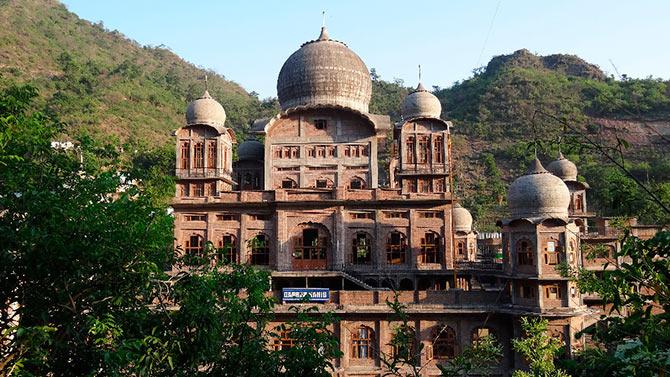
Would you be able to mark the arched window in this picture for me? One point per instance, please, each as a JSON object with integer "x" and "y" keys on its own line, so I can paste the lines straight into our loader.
{"x": 310, "y": 246}
{"x": 361, "y": 252}
{"x": 227, "y": 250}
{"x": 283, "y": 342}
{"x": 288, "y": 183}
{"x": 324, "y": 183}
{"x": 195, "y": 245}
{"x": 362, "y": 343}
{"x": 444, "y": 345}
{"x": 396, "y": 248}
{"x": 481, "y": 332}
{"x": 524, "y": 250}
{"x": 357, "y": 183}
{"x": 430, "y": 248}
{"x": 260, "y": 250}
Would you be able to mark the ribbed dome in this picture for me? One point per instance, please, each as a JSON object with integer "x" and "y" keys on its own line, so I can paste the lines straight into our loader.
{"x": 563, "y": 168}
{"x": 251, "y": 150}
{"x": 205, "y": 110}
{"x": 538, "y": 194}
{"x": 462, "y": 219}
{"x": 324, "y": 72}
{"x": 421, "y": 103}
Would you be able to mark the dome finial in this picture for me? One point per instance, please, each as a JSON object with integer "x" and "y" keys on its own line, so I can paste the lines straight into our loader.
{"x": 419, "y": 73}
{"x": 324, "y": 31}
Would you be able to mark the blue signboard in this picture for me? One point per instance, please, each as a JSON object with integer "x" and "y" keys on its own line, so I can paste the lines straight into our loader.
{"x": 305, "y": 294}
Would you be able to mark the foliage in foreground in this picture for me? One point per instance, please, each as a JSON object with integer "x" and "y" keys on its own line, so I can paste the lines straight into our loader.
{"x": 538, "y": 348}
{"x": 83, "y": 290}
{"x": 633, "y": 339}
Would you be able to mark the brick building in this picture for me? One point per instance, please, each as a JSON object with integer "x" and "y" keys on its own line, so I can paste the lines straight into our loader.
{"x": 306, "y": 204}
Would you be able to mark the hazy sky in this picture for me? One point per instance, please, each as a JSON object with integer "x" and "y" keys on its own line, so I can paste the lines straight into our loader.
{"x": 248, "y": 41}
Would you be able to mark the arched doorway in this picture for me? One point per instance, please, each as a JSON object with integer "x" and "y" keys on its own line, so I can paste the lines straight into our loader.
{"x": 311, "y": 247}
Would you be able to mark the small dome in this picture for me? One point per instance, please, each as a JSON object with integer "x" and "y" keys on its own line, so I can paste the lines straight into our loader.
{"x": 538, "y": 194}
{"x": 421, "y": 104}
{"x": 205, "y": 110}
{"x": 251, "y": 150}
{"x": 563, "y": 168}
{"x": 324, "y": 72}
{"x": 462, "y": 219}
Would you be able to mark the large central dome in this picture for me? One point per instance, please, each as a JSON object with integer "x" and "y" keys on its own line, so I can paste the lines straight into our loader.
{"x": 324, "y": 72}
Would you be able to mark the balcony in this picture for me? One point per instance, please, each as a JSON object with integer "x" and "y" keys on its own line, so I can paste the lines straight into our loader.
{"x": 478, "y": 265}
{"x": 201, "y": 173}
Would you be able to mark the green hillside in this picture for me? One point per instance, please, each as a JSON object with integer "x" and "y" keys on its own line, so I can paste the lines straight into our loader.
{"x": 111, "y": 90}
{"x": 102, "y": 83}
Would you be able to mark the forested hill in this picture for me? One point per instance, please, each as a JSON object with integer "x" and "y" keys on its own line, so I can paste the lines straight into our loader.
{"x": 101, "y": 82}
{"x": 112, "y": 90}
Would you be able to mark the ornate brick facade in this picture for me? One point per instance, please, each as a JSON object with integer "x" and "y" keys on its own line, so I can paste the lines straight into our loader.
{"x": 307, "y": 205}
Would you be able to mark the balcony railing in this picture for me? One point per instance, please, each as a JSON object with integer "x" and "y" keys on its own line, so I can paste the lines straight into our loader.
{"x": 201, "y": 173}
{"x": 479, "y": 265}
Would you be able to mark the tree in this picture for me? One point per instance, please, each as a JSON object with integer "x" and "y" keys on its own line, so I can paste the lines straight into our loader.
{"x": 405, "y": 360}
{"x": 85, "y": 281}
{"x": 633, "y": 338}
{"x": 477, "y": 359}
{"x": 538, "y": 348}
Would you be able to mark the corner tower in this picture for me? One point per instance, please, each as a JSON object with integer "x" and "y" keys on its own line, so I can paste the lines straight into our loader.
{"x": 422, "y": 144}
{"x": 204, "y": 150}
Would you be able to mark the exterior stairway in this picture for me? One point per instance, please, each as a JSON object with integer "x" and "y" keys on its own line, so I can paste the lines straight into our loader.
{"x": 361, "y": 283}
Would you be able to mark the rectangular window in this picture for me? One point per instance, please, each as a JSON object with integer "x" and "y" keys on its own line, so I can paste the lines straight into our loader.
{"x": 185, "y": 156}
{"x": 199, "y": 189}
{"x": 411, "y": 150}
{"x": 321, "y": 151}
{"x": 184, "y": 190}
{"x": 199, "y": 155}
{"x": 321, "y": 183}
{"x": 396, "y": 215}
{"x": 295, "y": 152}
{"x": 211, "y": 154}
{"x": 552, "y": 292}
{"x": 311, "y": 152}
{"x": 259, "y": 217}
{"x": 424, "y": 149}
{"x": 431, "y": 214}
{"x": 438, "y": 152}
{"x": 277, "y": 152}
{"x": 411, "y": 185}
{"x": 526, "y": 291}
{"x": 227, "y": 217}
{"x": 439, "y": 185}
{"x": 362, "y": 215}
{"x": 332, "y": 151}
{"x": 424, "y": 185}
{"x": 320, "y": 124}
{"x": 195, "y": 217}
{"x": 347, "y": 151}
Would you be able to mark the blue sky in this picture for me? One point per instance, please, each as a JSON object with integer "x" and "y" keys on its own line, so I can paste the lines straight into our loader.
{"x": 248, "y": 41}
